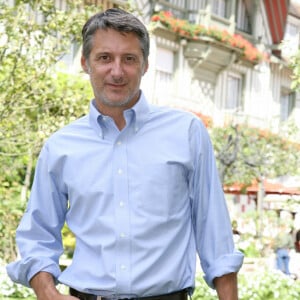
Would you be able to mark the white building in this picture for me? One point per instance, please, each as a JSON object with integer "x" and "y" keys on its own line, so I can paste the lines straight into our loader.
{"x": 208, "y": 77}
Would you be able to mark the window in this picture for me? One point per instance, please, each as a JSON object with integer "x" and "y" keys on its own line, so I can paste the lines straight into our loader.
{"x": 287, "y": 105}
{"x": 233, "y": 97}
{"x": 164, "y": 71}
{"x": 291, "y": 31}
{"x": 219, "y": 8}
{"x": 292, "y": 36}
{"x": 242, "y": 16}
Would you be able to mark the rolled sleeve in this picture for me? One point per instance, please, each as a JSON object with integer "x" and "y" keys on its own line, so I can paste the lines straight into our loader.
{"x": 229, "y": 263}
{"x": 22, "y": 271}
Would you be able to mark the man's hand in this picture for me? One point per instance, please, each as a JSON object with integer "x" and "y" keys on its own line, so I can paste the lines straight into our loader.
{"x": 44, "y": 288}
{"x": 226, "y": 286}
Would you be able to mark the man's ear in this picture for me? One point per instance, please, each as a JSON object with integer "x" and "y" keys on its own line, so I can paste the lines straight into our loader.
{"x": 85, "y": 65}
{"x": 146, "y": 66}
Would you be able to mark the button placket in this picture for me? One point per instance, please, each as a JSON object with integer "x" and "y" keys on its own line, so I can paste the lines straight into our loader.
{"x": 122, "y": 214}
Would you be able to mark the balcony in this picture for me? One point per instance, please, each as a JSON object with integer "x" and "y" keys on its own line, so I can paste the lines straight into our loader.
{"x": 105, "y": 4}
{"x": 209, "y": 51}
{"x": 208, "y": 58}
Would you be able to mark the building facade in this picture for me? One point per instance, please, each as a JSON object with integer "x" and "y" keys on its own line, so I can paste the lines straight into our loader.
{"x": 207, "y": 77}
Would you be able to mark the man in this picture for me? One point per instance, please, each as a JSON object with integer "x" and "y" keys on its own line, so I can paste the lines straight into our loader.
{"x": 136, "y": 184}
{"x": 283, "y": 243}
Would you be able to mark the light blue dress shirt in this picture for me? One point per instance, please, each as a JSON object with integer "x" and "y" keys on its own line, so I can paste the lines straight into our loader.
{"x": 142, "y": 202}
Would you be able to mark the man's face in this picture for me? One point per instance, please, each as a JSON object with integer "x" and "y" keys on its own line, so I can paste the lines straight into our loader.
{"x": 115, "y": 66}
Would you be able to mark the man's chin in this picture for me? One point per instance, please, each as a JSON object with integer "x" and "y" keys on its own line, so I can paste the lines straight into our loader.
{"x": 119, "y": 99}
{"x": 116, "y": 102}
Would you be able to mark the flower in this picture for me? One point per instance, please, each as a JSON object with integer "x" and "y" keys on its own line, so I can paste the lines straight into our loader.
{"x": 195, "y": 31}
{"x": 207, "y": 120}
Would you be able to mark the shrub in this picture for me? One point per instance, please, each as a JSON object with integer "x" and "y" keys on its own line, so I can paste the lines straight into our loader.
{"x": 10, "y": 289}
{"x": 256, "y": 286}
{"x": 268, "y": 286}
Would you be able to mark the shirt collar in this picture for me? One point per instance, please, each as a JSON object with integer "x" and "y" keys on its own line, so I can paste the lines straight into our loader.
{"x": 141, "y": 112}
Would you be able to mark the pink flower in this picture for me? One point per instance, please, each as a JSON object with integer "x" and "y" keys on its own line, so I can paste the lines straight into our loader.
{"x": 194, "y": 31}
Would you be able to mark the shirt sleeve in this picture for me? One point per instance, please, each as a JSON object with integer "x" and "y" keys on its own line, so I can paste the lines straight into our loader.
{"x": 211, "y": 221}
{"x": 38, "y": 235}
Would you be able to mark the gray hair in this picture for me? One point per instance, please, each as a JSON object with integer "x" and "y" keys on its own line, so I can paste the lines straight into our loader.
{"x": 118, "y": 20}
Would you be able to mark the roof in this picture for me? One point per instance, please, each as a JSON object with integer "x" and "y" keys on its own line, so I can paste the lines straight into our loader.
{"x": 277, "y": 11}
{"x": 268, "y": 186}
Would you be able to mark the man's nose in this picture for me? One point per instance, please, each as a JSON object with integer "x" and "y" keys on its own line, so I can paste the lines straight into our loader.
{"x": 117, "y": 68}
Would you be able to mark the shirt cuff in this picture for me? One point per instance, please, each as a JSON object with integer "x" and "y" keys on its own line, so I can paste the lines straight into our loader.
{"x": 23, "y": 270}
{"x": 229, "y": 263}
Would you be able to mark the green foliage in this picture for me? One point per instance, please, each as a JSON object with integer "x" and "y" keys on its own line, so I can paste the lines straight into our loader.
{"x": 69, "y": 242}
{"x": 251, "y": 246}
{"x": 245, "y": 153}
{"x": 11, "y": 209}
{"x": 35, "y": 99}
{"x": 256, "y": 286}
{"x": 256, "y": 239}
{"x": 268, "y": 286}
{"x": 35, "y": 35}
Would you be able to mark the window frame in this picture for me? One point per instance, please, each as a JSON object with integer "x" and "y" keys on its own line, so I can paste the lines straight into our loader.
{"x": 242, "y": 17}
{"x": 236, "y": 104}
{"x": 287, "y": 104}
{"x": 220, "y": 8}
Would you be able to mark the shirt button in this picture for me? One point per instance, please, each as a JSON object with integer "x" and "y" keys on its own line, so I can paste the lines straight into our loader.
{"x": 120, "y": 171}
{"x": 123, "y": 267}
{"x": 122, "y": 235}
{"x": 121, "y": 203}
{"x": 119, "y": 143}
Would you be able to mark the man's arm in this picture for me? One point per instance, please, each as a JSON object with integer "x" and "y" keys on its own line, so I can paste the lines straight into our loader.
{"x": 44, "y": 287}
{"x": 226, "y": 286}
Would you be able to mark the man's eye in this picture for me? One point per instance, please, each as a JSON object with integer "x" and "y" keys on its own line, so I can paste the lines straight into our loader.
{"x": 103, "y": 58}
{"x": 130, "y": 59}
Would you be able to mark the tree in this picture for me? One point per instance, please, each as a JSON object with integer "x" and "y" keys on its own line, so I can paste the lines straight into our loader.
{"x": 35, "y": 99}
{"x": 244, "y": 154}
